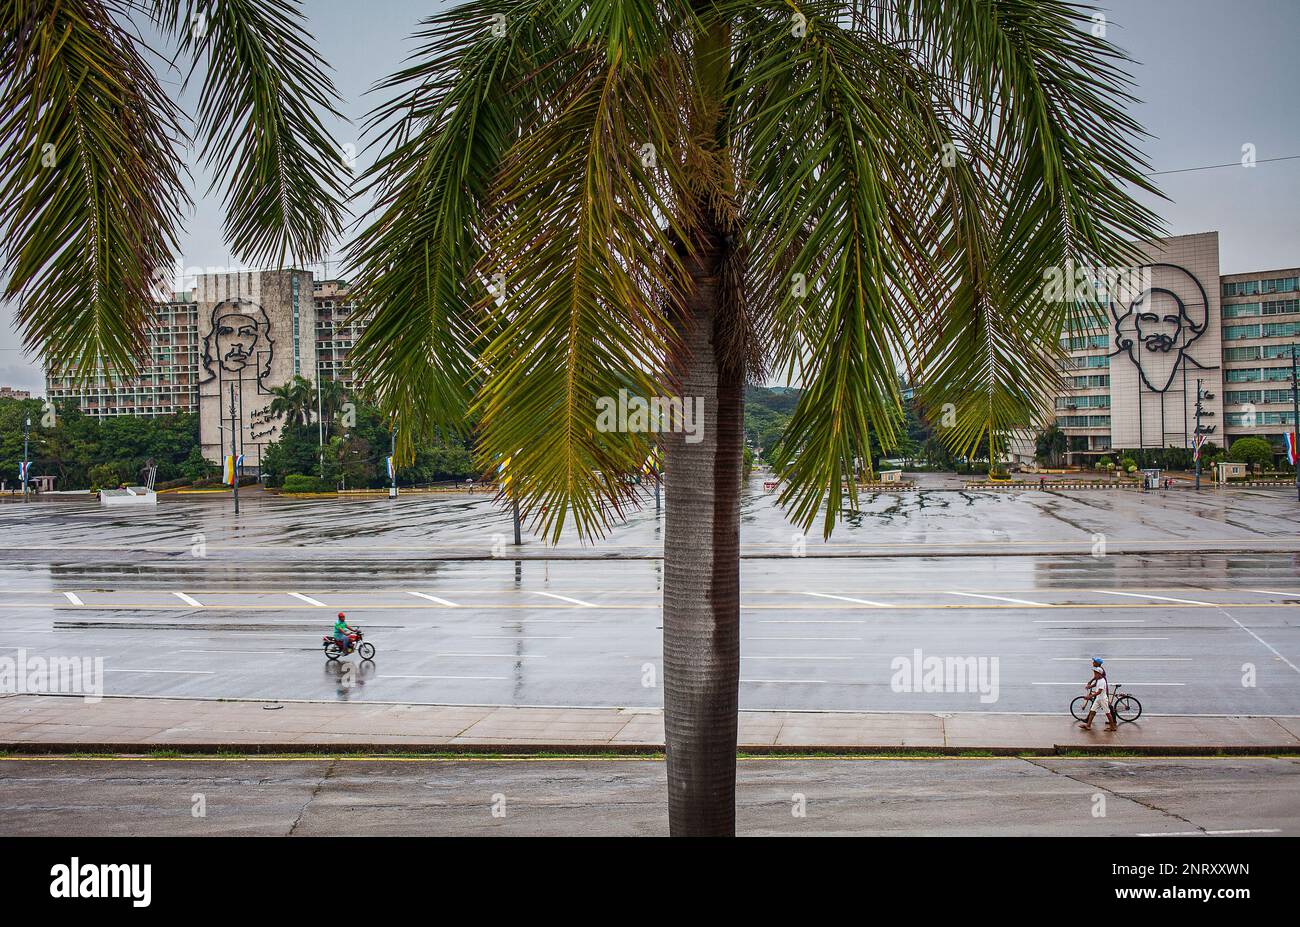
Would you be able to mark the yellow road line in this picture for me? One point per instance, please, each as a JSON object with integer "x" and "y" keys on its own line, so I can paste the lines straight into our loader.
{"x": 110, "y": 606}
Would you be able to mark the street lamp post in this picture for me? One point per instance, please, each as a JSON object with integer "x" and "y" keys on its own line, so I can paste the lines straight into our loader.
{"x": 1196, "y": 442}
{"x": 27, "y": 427}
{"x": 320, "y": 423}
{"x": 234, "y": 451}
{"x": 1295, "y": 418}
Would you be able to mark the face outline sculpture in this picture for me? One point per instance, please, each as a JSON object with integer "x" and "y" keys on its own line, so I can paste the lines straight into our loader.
{"x": 1161, "y": 323}
{"x": 238, "y": 340}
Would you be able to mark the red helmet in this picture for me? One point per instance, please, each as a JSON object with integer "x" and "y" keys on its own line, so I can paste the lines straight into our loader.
{"x": 341, "y": 615}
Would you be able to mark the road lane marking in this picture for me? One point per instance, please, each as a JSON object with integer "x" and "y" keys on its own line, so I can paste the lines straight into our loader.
{"x": 812, "y": 621}
{"x": 1265, "y": 643}
{"x": 1058, "y": 622}
{"x": 1158, "y": 598}
{"x": 170, "y": 672}
{"x": 755, "y": 638}
{"x": 565, "y": 598}
{"x": 434, "y": 598}
{"x": 1128, "y": 659}
{"x": 1103, "y": 640}
{"x": 746, "y": 657}
{"x": 845, "y": 598}
{"x": 789, "y": 682}
{"x": 516, "y": 637}
{"x": 273, "y": 653}
{"x": 188, "y": 599}
{"x": 1002, "y": 598}
{"x": 74, "y": 598}
{"x": 409, "y": 676}
{"x": 1214, "y": 833}
{"x": 1274, "y": 592}
{"x": 510, "y": 656}
{"x": 308, "y": 599}
{"x": 1126, "y": 684}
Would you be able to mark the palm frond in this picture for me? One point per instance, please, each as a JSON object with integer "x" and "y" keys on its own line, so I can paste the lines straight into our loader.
{"x": 827, "y": 150}
{"x": 90, "y": 184}
{"x": 454, "y": 112}
{"x": 582, "y": 235}
{"x": 263, "y": 92}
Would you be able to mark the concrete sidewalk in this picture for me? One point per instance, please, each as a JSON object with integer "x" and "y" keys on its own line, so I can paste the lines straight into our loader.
{"x": 43, "y": 723}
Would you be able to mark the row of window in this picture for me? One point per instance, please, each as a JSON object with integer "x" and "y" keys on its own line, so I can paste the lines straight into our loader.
{"x": 1253, "y": 419}
{"x": 1083, "y": 421}
{"x": 1091, "y": 360}
{"x": 1082, "y": 402}
{"x": 1258, "y": 352}
{"x": 1091, "y": 381}
{"x": 1255, "y": 287}
{"x": 1080, "y": 343}
{"x": 1273, "y": 307}
{"x": 1266, "y": 330}
{"x": 1255, "y": 374}
{"x": 1260, "y": 395}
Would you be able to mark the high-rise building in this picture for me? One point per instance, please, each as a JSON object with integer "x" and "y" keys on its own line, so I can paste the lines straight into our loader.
{"x": 1174, "y": 326}
{"x": 243, "y": 333}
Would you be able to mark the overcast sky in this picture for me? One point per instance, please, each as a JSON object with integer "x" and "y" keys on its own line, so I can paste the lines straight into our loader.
{"x": 1213, "y": 75}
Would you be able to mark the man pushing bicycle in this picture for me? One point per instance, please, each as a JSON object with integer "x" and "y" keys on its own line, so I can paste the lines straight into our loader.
{"x": 1099, "y": 695}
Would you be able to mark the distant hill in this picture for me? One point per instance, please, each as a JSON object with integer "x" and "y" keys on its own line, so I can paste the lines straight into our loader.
{"x": 767, "y": 412}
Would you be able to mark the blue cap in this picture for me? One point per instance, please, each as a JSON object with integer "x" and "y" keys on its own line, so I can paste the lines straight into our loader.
{"x": 1098, "y": 660}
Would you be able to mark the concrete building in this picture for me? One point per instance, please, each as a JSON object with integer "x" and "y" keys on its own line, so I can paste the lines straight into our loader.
{"x": 1175, "y": 324}
{"x": 245, "y": 332}
{"x": 9, "y": 392}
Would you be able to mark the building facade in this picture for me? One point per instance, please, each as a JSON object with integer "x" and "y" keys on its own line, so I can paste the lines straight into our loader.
{"x": 223, "y": 347}
{"x": 1179, "y": 326}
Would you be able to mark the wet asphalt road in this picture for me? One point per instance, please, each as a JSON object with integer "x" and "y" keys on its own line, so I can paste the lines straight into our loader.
{"x": 1043, "y": 796}
{"x": 187, "y": 601}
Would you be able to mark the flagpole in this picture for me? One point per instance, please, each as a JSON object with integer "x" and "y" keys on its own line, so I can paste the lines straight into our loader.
{"x": 392, "y": 463}
{"x": 234, "y": 454}
{"x": 26, "y": 463}
{"x": 1295, "y": 421}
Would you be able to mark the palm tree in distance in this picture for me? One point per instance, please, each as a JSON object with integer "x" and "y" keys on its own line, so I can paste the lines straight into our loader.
{"x": 676, "y": 198}
{"x": 294, "y": 401}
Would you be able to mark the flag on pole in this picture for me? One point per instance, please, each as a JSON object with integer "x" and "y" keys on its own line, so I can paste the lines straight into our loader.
{"x": 503, "y": 477}
{"x": 232, "y": 467}
{"x": 654, "y": 462}
{"x": 1200, "y": 439}
{"x": 391, "y": 468}
{"x": 24, "y": 467}
{"x": 1291, "y": 448}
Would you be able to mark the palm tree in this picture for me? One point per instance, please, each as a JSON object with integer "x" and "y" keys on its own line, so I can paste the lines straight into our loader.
{"x": 295, "y": 400}
{"x": 1051, "y": 444}
{"x": 330, "y": 396}
{"x": 666, "y": 197}
{"x": 676, "y": 198}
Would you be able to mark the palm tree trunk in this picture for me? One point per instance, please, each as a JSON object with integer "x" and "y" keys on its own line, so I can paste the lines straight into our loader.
{"x": 702, "y": 574}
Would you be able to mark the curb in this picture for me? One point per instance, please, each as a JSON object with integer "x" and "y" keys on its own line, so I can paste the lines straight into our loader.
{"x": 1100, "y": 750}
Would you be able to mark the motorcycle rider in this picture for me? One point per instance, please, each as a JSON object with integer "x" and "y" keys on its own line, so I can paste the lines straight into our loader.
{"x": 342, "y": 633}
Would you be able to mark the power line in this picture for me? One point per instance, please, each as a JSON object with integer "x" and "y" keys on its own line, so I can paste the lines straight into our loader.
{"x": 1213, "y": 167}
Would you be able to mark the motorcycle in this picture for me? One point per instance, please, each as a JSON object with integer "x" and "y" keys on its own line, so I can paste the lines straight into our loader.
{"x": 355, "y": 642}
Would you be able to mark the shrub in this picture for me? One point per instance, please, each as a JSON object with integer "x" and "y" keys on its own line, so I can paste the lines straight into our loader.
{"x": 298, "y": 482}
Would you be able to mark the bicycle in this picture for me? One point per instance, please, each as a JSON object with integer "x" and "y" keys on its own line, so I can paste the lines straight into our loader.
{"x": 1123, "y": 707}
